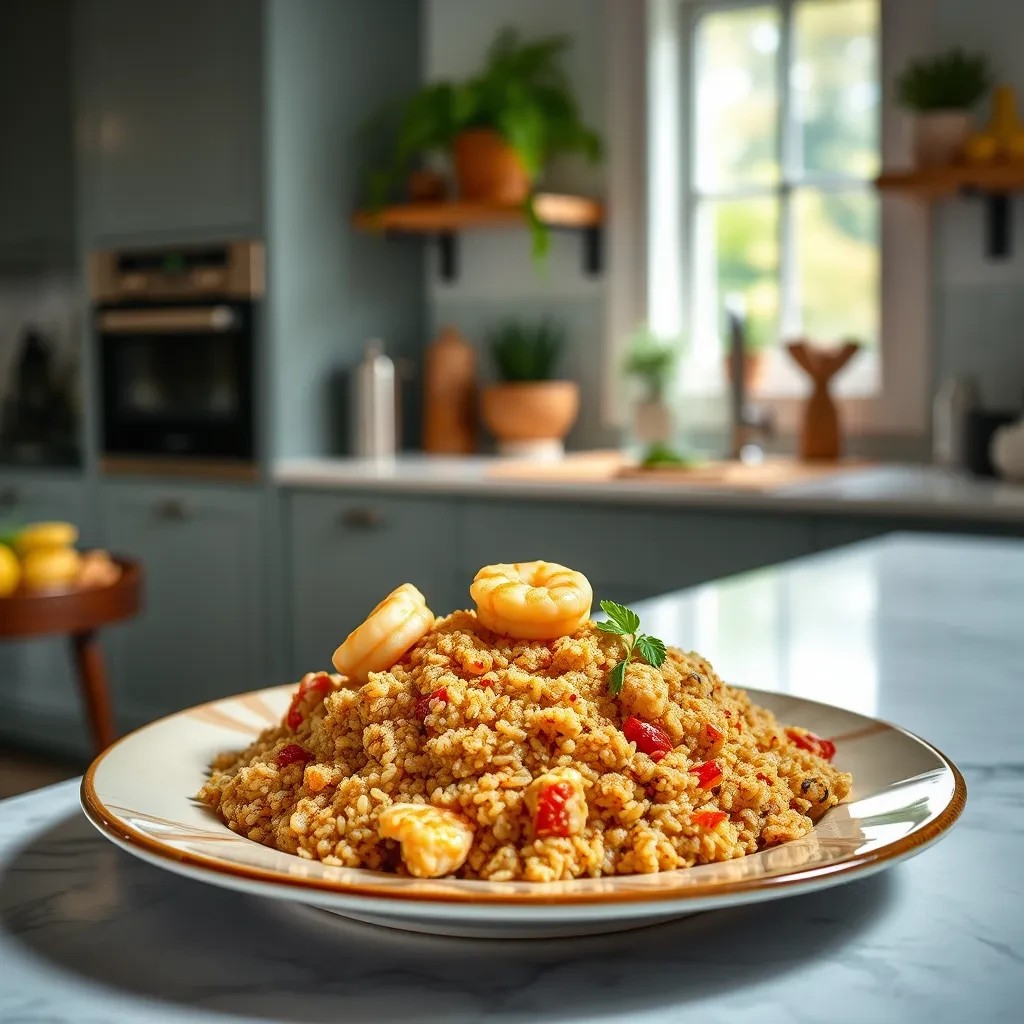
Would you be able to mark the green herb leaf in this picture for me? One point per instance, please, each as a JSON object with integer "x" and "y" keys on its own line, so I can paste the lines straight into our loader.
{"x": 651, "y": 649}
{"x": 624, "y": 622}
{"x": 625, "y": 618}
{"x": 617, "y": 678}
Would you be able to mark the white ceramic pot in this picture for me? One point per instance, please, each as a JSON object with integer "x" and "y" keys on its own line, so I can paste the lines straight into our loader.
{"x": 1007, "y": 451}
{"x": 653, "y": 422}
{"x": 939, "y": 137}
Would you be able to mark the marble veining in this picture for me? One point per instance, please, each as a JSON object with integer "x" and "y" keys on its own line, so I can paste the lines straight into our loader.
{"x": 924, "y": 632}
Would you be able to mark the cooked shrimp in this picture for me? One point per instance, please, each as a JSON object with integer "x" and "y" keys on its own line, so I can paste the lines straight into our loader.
{"x": 398, "y": 622}
{"x": 531, "y": 600}
{"x": 435, "y": 842}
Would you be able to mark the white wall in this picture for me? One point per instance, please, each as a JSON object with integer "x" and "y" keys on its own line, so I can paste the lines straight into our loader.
{"x": 979, "y": 303}
{"x": 497, "y": 278}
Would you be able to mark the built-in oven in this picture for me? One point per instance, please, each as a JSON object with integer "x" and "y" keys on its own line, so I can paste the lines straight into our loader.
{"x": 177, "y": 357}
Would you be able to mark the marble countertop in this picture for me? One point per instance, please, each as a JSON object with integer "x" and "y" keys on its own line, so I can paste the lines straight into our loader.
{"x": 921, "y": 631}
{"x": 884, "y": 490}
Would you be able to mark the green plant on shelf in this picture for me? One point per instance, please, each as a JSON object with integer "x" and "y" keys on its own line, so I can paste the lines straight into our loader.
{"x": 525, "y": 352}
{"x": 521, "y": 92}
{"x": 954, "y": 80}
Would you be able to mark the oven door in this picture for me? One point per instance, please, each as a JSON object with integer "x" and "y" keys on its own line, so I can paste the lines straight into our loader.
{"x": 177, "y": 380}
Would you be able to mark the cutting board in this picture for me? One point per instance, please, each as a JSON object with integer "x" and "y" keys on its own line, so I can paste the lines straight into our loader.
{"x": 606, "y": 466}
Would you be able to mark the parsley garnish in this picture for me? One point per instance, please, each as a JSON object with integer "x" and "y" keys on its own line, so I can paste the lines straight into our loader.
{"x": 624, "y": 622}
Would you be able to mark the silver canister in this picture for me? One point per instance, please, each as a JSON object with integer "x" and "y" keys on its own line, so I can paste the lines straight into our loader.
{"x": 375, "y": 428}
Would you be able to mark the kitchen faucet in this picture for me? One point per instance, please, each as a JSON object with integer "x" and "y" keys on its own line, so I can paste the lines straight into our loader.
{"x": 746, "y": 421}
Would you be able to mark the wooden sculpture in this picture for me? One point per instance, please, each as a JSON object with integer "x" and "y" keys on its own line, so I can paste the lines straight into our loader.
{"x": 819, "y": 438}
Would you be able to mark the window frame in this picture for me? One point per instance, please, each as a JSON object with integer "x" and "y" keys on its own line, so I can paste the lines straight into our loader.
{"x": 643, "y": 42}
{"x": 783, "y": 379}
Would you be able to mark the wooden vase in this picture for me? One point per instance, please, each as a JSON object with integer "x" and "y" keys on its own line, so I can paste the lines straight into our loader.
{"x": 820, "y": 437}
{"x": 449, "y": 395}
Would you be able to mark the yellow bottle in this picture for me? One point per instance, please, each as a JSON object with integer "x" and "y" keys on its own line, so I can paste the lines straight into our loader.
{"x": 1004, "y": 123}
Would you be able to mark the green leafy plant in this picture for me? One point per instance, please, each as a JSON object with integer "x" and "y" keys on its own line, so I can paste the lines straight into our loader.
{"x": 526, "y": 352}
{"x": 659, "y": 455}
{"x": 652, "y": 358}
{"x": 521, "y": 92}
{"x": 948, "y": 81}
{"x": 625, "y": 623}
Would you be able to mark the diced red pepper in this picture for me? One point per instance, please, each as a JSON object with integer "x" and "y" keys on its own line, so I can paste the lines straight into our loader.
{"x": 423, "y": 704}
{"x": 552, "y": 818}
{"x": 708, "y": 774}
{"x": 815, "y": 744}
{"x": 292, "y": 754}
{"x": 713, "y": 734}
{"x": 708, "y": 819}
{"x": 657, "y": 755}
{"x": 647, "y": 736}
{"x": 764, "y": 778}
{"x": 320, "y": 683}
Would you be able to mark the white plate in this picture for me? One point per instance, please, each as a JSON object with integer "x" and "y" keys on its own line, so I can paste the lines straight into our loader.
{"x": 138, "y": 793}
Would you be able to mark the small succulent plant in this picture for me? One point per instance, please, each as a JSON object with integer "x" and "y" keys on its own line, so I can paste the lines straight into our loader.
{"x": 526, "y": 352}
{"x": 947, "y": 81}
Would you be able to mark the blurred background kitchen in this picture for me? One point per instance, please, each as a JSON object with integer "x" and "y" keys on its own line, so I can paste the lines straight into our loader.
{"x": 301, "y": 299}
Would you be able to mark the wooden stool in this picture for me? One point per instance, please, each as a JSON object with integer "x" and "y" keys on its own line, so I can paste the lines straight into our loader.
{"x": 79, "y": 614}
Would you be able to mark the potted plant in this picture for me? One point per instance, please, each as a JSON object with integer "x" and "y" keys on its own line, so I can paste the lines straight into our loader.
{"x": 530, "y": 411}
{"x": 651, "y": 360}
{"x": 940, "y": 91}
{"x": 500, "y": 127}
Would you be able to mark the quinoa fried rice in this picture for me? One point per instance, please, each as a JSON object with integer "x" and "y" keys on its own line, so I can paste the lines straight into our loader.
{"x": 472, "y": 722}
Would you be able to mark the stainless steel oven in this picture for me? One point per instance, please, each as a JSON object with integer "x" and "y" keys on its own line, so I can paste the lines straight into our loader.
{"x": 177, "y": 357}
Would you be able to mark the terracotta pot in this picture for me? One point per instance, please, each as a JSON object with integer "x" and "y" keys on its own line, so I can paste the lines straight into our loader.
{"x": 939, "y": 137}
{"x": 754, "y": 364}
{"x": 530, "y": 417}
{"x": 488, "y": 169}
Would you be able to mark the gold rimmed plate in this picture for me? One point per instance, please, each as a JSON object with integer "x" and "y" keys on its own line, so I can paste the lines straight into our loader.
{"x": 139, "y": 792}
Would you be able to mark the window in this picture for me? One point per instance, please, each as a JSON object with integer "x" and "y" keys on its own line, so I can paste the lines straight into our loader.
{"x": 781, "y": 117}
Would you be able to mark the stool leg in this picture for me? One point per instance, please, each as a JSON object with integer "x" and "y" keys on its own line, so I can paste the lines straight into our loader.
{"x": 92, "y": 680}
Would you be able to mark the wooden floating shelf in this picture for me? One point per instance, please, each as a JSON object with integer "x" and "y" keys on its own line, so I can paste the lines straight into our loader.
{"x": 446, "y": 219}
{"x": 995, "y": 183}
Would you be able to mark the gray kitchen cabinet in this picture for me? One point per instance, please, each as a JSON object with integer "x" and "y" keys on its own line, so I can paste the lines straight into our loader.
{"x": 626, "y": 551}
{"x": 204, "y": 630}
{"x": 28, "y": 496}
{"x": 37, "y": 187}
{"x": 39, "y": 700}
{"x": 347, "y": 552}
{"x": 171, "y": 118}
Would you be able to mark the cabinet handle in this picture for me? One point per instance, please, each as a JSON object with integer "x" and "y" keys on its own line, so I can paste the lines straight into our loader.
{"x": 362, "y": 519}
{"x": 171, "y": 509}
{"x": 9, "y": 497}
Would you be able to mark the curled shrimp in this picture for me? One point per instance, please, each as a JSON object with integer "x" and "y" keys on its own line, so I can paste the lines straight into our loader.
{"x": 398, "y": 622}
{"x": 435, "y": 842}
{"x": 531, "y": 600}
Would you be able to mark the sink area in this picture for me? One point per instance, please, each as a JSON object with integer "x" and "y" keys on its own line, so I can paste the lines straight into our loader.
{"x": 771, "y": 474}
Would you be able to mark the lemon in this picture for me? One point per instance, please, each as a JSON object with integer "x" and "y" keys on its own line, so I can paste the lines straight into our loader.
{"x": 10, "y": 571}
{"x": 50, "y": 567}
{"x": 45, "y": 535}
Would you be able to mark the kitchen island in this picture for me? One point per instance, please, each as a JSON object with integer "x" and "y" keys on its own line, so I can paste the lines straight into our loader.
{"x": 923, "y": 631}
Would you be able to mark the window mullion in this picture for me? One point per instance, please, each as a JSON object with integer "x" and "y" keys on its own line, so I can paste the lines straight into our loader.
{"x": 786, "y": 146}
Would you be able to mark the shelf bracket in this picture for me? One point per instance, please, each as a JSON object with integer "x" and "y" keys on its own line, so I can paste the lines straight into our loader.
{"x": 448, "y": 254}
{"x": 593, "y": 250}
{"x": 998, "y": 225}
